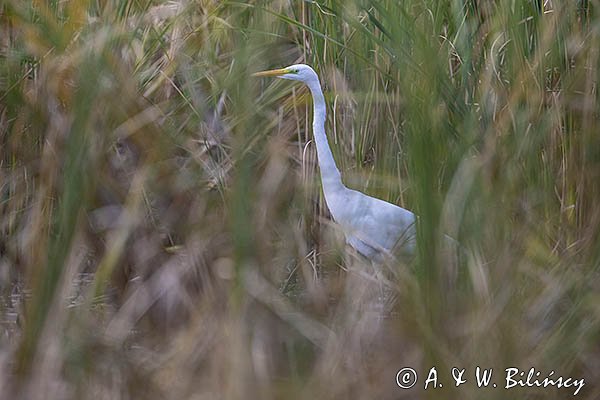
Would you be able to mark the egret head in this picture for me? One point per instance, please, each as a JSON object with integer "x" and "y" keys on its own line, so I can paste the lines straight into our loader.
{"x": 296, "y": 72}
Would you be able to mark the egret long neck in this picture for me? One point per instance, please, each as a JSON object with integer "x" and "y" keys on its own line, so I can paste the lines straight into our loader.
{"x": 330, "y": 175}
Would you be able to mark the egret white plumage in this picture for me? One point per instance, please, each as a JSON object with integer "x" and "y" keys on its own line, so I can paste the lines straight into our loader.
{"x": 375, "y": 228}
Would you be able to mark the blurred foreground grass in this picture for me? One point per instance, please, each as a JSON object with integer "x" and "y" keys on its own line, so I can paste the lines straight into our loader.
{"x": 162, "y": 229}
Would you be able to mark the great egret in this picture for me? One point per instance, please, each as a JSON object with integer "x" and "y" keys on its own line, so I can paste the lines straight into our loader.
{"x": 373, "y": 227}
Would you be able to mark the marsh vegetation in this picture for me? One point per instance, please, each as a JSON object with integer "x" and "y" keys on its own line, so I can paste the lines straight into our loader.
{"x": 163, "y": 233}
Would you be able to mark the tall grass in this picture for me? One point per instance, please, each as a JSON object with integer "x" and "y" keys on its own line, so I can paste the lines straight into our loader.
{"x": 163, "y": 232}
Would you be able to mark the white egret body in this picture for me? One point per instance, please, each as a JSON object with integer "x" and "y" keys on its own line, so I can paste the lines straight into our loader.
{"x": 373, "y": 227}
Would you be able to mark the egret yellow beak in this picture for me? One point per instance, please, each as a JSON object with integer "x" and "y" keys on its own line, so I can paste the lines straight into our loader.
{"x": 273, "y": 72}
